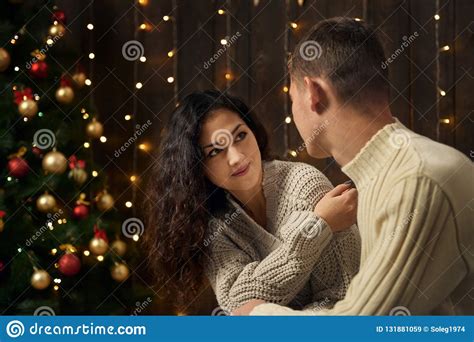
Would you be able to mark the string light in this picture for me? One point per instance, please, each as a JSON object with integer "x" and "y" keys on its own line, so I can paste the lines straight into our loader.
{"x": 293, "y": 153}
{"x": 442, "y": 92}
{"x": 445, "y": 121}
{"x": 90, "y": 27}
{"x": 133, "y": 178}
{"x": 288, "y": 120}
{"x": 170, "y": 79}
{"x": 128, "y": 204}
{"x": 294, "y": 25}
{"x": 228, "y": 76}
{"x": 87, "y": 82}
{"x": 170, "y": 53}
{"x": 139, "y": 85}
{"x": 144, "y": 147}
{"x": 143, "y": 59}
{"x": 445, "y": 48}
{"x": 224, "y": 41}
{"x": 437, "y": 17}
{"x": 127, "y": 117}
{"x": 145, "y": 27}
{"x": 100, "y": 258}
{"x": 91, "y": 55}
{"x": 95, "y": 173}
{"x": 143, "y": 2}
{"x": 86, "y": 253}
{"x": 166, "y": 18}
{"x": 103, "y": 139}
{"x": 87, "y": 145}
{"x": 286, "y": 89}
{"x": 221, "y": 11}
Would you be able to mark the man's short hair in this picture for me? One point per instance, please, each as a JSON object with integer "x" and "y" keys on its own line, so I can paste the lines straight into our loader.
{"x": 348, "y": 54}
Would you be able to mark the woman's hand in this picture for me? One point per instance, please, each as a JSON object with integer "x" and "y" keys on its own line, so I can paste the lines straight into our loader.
{"x": 338, "y": 207}
{"x": 245, "y": 309}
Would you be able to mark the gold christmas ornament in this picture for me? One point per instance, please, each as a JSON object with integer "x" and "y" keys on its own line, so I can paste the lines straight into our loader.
{"x": 28, "y": 108}
{"x": 105, "y": 201}
{"x": 57, "y": 30}
{"x": 79, "y": 79}
{"x": 98, "y": 246}
{"x": 40, "y": 279}
{"x": 46, "y": 203}
{"x": 5, "y": 59}
{"x": 64, "y": 94}
{"x": 119, "y": 247}
{"x": 78, "y": 175}
{"x": 94, "y": 129}
{"x": 54, "y": 162}
{"x": 119, "y": 272}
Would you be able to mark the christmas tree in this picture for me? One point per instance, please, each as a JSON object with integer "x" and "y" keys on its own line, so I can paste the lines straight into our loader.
{"x": 62, "y": 245}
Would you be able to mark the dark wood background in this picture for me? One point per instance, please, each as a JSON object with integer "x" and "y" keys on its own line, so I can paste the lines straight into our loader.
{"x": 258, "y": 63}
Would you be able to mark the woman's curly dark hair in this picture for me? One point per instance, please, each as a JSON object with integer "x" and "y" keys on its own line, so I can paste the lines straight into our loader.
{"x": 180, "y": 199}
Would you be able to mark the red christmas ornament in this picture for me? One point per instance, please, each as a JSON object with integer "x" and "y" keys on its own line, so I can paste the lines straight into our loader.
{"x": 80, "y": 212}
{"x": 18, "y": 167}
{"x": 59, "y": 16}
{"x": 69, "y": 264}
{"x": 39, "y": 69}
{"x": 37, "y": 151}
{"x": 20, "y": 95}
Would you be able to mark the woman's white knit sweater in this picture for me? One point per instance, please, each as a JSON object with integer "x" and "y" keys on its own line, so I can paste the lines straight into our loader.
{"x": 295, "y": 260}
{"x": 416, "y": 219}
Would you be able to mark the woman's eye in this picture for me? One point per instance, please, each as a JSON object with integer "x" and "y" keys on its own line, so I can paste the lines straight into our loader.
{"x": 240, "y": 136}
{"x": 214, "y": 152}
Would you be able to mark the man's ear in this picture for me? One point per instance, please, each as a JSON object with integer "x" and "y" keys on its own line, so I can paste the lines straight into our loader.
{"x": 314, "y": 91}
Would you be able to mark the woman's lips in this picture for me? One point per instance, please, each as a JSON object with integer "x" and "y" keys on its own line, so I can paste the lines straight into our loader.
{"x": 242, "y": 171}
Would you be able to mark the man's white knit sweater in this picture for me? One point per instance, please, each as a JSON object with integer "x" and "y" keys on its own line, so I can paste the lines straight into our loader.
{"x": 295, "y": 260}
{"x": 415, "y": 215}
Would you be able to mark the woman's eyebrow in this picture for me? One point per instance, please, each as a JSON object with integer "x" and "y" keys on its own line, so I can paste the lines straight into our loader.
{"x": 233, "y": 132}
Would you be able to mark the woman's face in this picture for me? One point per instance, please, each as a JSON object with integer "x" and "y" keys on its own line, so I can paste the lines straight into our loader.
{"x": 232, "y": 159}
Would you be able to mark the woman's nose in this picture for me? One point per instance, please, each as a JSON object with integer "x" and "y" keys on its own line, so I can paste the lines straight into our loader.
{"x": 233, "y": 155}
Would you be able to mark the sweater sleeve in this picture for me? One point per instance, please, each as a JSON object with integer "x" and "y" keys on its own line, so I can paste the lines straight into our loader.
{"x": 236, "y": 278}
{"x": 414, "y": 261}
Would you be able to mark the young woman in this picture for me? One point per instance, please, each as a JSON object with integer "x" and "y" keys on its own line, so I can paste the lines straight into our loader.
{"x": 220, "y": 207}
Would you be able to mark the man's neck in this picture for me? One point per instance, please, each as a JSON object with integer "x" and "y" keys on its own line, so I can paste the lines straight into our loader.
{"x": 352, "y": 135}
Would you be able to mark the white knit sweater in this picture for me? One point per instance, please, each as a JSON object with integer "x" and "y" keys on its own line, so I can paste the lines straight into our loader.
{"x": 415, "y": 214}
{"x": 295, "y": 260}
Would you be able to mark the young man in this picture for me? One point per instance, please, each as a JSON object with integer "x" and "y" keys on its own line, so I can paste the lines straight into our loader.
{"x": 416, "y": 196}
